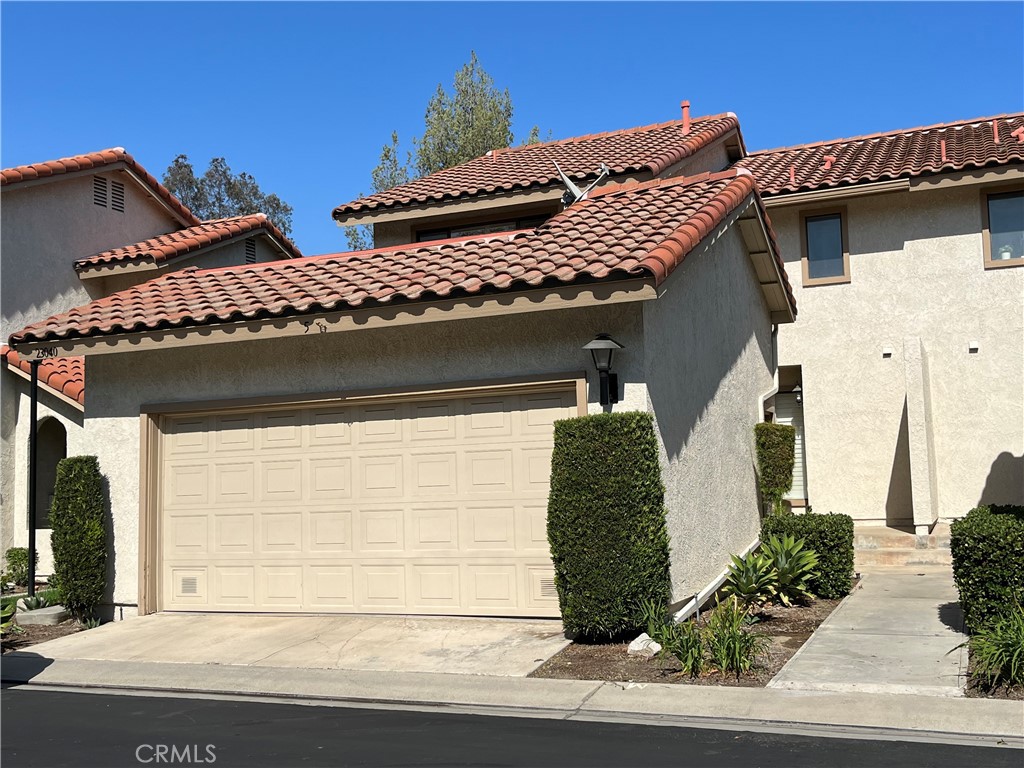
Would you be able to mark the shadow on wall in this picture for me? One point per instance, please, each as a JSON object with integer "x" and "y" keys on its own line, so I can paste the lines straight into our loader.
{"x": 1005, "y": 481}
{"x": 899, "y": 506}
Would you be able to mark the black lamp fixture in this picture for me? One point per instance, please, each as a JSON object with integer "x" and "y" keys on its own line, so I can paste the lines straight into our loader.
{"x": 601, "y": 349}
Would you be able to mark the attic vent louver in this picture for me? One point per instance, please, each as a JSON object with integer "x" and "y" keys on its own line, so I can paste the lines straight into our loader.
{"x": 99, "y": 191}
{"x": 574, "y": 194}
{"x": 117, "y": 196}
{"x": 250, "y": 251}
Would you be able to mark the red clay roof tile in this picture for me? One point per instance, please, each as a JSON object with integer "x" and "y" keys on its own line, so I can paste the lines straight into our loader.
{"x": 61, "y": 374}
{"x": 638, "y": 231}
{"x": 646, "y": 148}
{"x": 905, "y": 153}
{"x": 92, "y": 160}
{"x": 173, "y": 244}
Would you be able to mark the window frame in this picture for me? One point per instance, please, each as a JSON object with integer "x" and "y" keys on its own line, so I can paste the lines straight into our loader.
{"x": 815, "y": 213}
{"x": 986, "y": 234}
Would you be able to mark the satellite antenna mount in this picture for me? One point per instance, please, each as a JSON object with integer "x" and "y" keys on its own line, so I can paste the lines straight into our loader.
{"x": 574, "y": 194}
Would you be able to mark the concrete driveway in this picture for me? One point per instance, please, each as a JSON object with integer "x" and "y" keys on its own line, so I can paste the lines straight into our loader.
{"x": 502, "y": 647}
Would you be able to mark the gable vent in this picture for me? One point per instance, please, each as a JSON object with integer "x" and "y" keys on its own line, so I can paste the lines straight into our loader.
{"x": 189, "y": 585}
{"x": 117, "y": 196}
{"x": 547, "y": 588}
{"x": 99, "y": 191}
{"x": 250, "y": 251}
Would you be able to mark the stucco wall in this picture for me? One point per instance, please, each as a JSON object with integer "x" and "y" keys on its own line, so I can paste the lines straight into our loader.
{"x": 522, "y": 345}
{"x": 44, "y": 228}
{"x": 917, "y": 272}
{"x": 707, "y": 344}
{"x": 14, "y": 436}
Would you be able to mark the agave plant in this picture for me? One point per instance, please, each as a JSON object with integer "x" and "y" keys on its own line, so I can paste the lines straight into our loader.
{"x": 751, "y": 579}
{"x": 731, "y": 645}
{"x": 7, "y": 619}
{"x": 794, "y": 565}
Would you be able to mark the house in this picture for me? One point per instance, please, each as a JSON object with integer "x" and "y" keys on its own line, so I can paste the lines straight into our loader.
{"x": 73, "y": 230}
{"x": 371, "y": 431}
{"x": 904, "y": 374}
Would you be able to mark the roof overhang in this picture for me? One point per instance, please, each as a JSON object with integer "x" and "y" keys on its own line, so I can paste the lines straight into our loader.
{"x": 46, "y": 388}
{"x": 584, "y": 294}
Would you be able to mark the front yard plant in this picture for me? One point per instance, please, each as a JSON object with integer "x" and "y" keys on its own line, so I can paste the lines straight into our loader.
{"x": 776, "y": 445}
{"x": 988, "y": 562}
{"x": 997, "y": 649}
{"x": 732, "y": 646}
{"x": 794, "y": 566}
{"x": 606, "y": 523}
{"x": 752, "y": 579}
{"x": 79, "y": 536}
{"x": 17, "y": 566}
{"x": 831, "y": 538}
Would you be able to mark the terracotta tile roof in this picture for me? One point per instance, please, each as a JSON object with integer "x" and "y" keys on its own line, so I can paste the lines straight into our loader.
{"x": 635, "y": 231}
{"x": 61, "y": 374}
{"x": 165, "y": 247}
{"x": 647, "y": 148}
{"x": 896, "y": 154}
{"x": 92, "y": 160}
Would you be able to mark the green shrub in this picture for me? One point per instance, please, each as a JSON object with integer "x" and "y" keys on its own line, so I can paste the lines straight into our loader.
{"x": 794, "y": 566}
{"x": 997, "y": 649}
{"x": 731, "y": 645}
{"x": 683, "y": 640}
{"x": 17, "y": 566}
{"x": 78, "y": 534}
{"x": 606, "y": 523}
{"x": 988, "y": 562}
{"x": 831, "y": 538}
{"x": 751, "y": 579}
{"x": 775, "y": 455}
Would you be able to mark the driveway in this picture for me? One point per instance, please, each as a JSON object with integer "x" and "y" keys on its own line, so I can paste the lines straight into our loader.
{"x": 502, "y": 647}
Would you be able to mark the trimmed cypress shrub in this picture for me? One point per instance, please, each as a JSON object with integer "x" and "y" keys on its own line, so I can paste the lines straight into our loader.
{"x": 831, "y": 537}
{"x": 776, "y": 445}
{"x": 78, "y": 534}
{"x": 988, "y": 562}
{"x": 606, "y": 523}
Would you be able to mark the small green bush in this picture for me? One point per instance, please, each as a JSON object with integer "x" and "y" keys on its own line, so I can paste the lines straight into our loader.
{"x": 776, "y": 444}
{"x": 606, "y": 523}
{"x": 751, "y": 579}
{"x": 683, "y": 640}
{"x": 988, "y": 562}
{"x": 997, "y": 649}
{"x": 7, "y": 614}
{"x": 831, "y": 538}
{"x": 78, "y": 534}
{"x": 17, "y": 566}
{"x": 731, "y": 645}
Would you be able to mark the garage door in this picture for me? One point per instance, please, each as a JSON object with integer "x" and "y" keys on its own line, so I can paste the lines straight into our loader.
{"x": 435, "y": 505}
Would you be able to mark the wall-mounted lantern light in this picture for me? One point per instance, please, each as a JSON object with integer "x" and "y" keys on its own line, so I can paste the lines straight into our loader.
{"x": 602, "y": 348}
{"x": 799, "y": 394}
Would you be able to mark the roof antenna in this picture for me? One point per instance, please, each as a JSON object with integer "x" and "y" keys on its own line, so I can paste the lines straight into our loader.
{"x": 574, "y": 194}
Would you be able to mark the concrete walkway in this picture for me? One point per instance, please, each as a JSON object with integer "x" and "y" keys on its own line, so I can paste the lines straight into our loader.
{"x": 895, "y": 634}
{"x": 498, "y": 647}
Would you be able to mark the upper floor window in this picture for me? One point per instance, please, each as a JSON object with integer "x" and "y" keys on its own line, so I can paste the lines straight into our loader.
{"x": 1003, "y": 229}
{"x": 527, "y": 222}
{"x": 826, "y": 256}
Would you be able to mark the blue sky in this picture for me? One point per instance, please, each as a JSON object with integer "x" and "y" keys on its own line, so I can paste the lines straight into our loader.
{"x": 302, "y": 95}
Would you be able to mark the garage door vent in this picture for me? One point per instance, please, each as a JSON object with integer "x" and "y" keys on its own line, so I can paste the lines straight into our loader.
{"x": 189, "y": 585}
{"x": 547, "y": 588}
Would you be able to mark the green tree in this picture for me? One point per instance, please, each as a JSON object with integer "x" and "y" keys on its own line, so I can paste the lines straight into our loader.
{"x": 220, "y": 194}
{"x": 467, "y": 122}
{"x": 78, "y": 534}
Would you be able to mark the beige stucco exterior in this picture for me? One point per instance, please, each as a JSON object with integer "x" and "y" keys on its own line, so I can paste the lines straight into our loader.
{"x": 904, "y": 423}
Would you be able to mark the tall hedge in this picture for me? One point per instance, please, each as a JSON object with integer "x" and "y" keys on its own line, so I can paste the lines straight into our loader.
{"x": 831, "y": 537}
{"x": 606, "y": 523}
{"x": 776, "y": 451}
{"x": 78, "y": 534}
{"x": 988, "y": 562}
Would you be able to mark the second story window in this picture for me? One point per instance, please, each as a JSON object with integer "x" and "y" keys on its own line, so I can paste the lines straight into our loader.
{"x": 826, "y": 257}
{"x": 1004, "y": 229}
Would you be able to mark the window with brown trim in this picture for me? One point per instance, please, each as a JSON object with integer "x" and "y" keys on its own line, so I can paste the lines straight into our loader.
{"x": 825, "y": 252}
{"x": 1002, "y": 216}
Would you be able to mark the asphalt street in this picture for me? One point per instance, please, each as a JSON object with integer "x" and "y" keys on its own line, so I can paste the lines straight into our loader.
{"x": 47, "y": 728}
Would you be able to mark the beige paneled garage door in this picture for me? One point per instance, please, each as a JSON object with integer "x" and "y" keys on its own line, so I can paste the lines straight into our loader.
{"x": 434, "y": 505}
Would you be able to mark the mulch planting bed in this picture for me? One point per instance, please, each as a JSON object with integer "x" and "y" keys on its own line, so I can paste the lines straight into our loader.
{"x": 32, "y": 635}
{"x": 788, "y": 629}
{"x": 976, "y": 690}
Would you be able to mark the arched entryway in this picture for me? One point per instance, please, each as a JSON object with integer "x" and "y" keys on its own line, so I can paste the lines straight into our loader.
{"x": 53, "y": 446}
